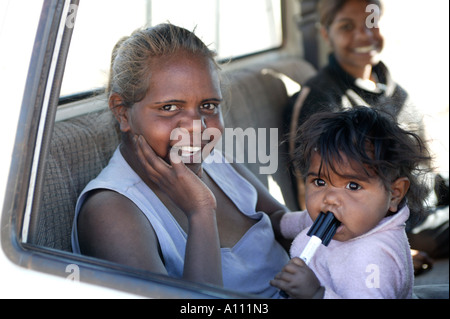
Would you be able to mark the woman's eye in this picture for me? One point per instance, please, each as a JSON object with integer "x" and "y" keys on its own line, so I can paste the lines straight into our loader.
{"x": 209, "y": 106}
{"x": 353, "y": 186}
{"x": 319, "y": 182}
{"x": 169, "y": 107}
{"x": 346, "y": 27}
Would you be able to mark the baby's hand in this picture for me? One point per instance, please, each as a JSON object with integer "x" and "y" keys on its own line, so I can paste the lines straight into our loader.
{"x": 298, "y": 280}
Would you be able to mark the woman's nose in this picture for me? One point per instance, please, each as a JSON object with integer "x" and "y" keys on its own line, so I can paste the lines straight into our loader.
{"x": 193, "y": 122}
{"x": 190, "y": 128}
{"x": 364, "y": 32}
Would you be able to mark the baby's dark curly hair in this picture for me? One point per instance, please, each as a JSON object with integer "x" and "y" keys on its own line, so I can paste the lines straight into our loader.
{"x": 373, "y": 140}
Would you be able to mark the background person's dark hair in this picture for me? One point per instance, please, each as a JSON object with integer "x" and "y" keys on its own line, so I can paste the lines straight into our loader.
{"x": 373, "y": 140}
{"x": 329, "y": 8}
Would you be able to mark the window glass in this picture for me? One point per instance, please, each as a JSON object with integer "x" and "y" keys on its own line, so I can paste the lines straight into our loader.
{"x": 232, "y": 28}
{"x": 419, "y": 62}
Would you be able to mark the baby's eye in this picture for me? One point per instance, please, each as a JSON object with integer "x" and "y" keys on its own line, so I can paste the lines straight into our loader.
{"x": 319, "y": 182}
{"x": 353, "y": 186}
{"x": 169, "y": 107}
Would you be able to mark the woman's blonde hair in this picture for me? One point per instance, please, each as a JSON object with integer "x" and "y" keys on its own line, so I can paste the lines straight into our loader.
{"x": 132, "y": 58}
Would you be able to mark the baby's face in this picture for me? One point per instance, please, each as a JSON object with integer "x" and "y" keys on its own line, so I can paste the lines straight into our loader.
{"x": 357, "y": 200}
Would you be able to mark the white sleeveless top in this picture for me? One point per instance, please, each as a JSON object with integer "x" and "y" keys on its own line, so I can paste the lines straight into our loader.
{"x": 247, "y": 267}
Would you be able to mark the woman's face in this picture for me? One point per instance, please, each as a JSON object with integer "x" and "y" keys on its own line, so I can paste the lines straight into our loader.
{"x": 358, "y": 201}
{"x": 354, "y": 39}
{"x": 182, "y": 101}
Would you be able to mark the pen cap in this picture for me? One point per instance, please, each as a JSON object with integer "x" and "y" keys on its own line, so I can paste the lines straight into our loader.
{"x": 331, "y": 231}
{"x": 315, "y": 226}
{"x": 324, "y": 227}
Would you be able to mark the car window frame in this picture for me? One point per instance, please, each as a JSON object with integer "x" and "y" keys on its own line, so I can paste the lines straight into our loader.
{"x": 23, "y": 192}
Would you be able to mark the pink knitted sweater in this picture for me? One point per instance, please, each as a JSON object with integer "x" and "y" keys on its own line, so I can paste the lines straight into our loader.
{"x": 377, "y": 264}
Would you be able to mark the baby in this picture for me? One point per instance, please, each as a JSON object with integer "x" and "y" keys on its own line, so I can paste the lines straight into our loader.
{"x": 361, "y": 166}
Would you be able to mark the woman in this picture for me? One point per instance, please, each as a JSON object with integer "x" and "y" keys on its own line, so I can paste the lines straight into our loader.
{"x": 158, "y": 205}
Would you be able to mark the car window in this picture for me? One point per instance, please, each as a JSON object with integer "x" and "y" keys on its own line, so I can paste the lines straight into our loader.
{"x": 255, "y": 27}
{"x": 410, "y": 50}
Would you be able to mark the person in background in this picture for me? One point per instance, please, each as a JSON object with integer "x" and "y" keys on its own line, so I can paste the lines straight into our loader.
{"x": 354, "y": 76}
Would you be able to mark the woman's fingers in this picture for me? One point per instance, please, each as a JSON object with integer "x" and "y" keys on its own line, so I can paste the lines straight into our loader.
{"x": 149, "y": 154}
{"x": 176, "y": 180}
{"x": 160, "y": 172}
{"x": 154, "y": 166}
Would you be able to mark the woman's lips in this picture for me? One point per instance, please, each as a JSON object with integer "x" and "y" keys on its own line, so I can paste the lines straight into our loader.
{"x": 187, "y": 151}
{"x": 365, "y": 49}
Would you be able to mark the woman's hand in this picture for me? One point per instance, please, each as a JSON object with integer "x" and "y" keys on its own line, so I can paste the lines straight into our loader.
{"x": 182, "y": 186}
{"x": 202, "y": 261}
{"x": 298, "y": 281}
